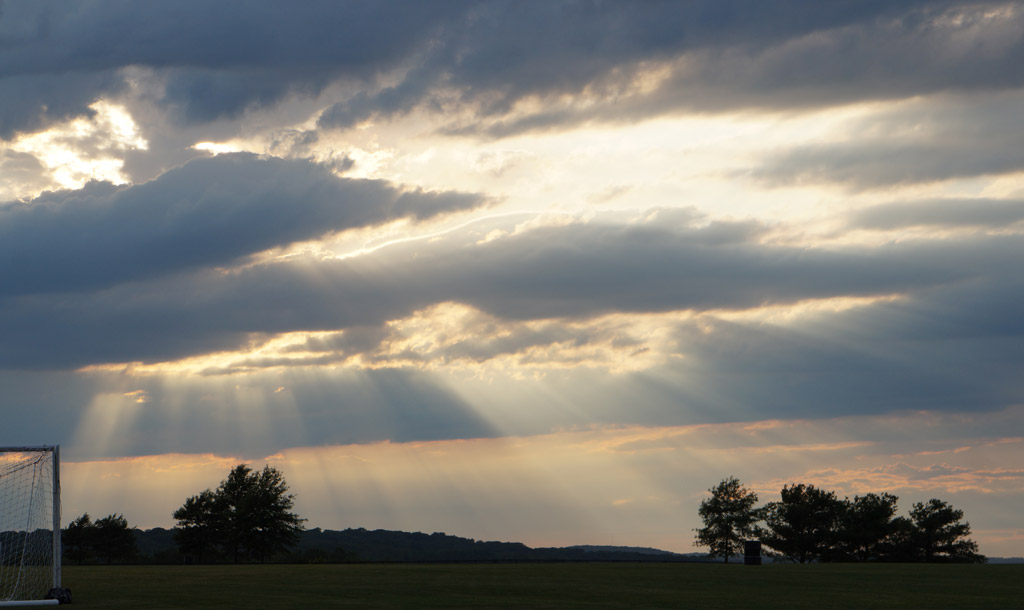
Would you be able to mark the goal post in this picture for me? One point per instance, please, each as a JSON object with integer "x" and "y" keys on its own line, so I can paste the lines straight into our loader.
{"x": 30, "y": 535}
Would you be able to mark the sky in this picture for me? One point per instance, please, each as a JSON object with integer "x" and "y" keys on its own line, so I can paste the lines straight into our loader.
{"x": 527, "y": 271}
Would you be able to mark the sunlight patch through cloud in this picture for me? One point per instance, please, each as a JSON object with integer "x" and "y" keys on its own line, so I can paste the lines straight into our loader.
{"x": 84, "y": 149}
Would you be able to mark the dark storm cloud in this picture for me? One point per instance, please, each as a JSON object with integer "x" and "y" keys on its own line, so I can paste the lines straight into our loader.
{"x": 955, "y": 347}
{"x": 720, "y": 56}
{"x": 43, "y": 407}
{"x": 950, "y": 213}
{"x": 572, "y": 272}
{"x": 217, "y": 59}
{"x": 207, "y": 212}
{"x": 587, "y": 270}
{"x": 29, "y": 102}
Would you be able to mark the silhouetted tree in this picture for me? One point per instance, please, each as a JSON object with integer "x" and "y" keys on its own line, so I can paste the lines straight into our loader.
{"x": 865, "y": 528}
{"x": 901, "y": 546}
{"x": 802, "y": 526}
{"x": 270, "y": 526}
{"x": 811, "y": 524}
{"x": 115, "y": 541}
{"x": 939, "y": 536}
{"x": 729, "y": 519}
{"x": 199, "y": 526}
{"x": 108, "y": 540}
{"x": 77, "y": 539}
{"x": 248, "y": 516}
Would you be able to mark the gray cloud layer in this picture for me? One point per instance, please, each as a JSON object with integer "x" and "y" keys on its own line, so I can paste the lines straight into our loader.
{"x": 208, "y": 212}
{"x": 148, "y": 272}
{"x": 944, "y": 139}
{"x": 955, "y": 347}
{"x": 951, "y": 213}
{"x": 216, "y": 59}
{"x": 575, "y": 271}
{"x": 252, "y": 420}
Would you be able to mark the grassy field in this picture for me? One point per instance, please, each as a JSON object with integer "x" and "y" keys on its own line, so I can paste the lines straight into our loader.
{"x": 593, "y": 585}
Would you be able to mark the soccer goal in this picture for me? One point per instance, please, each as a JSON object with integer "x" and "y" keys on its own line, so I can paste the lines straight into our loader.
{"x": 30, "y": 546}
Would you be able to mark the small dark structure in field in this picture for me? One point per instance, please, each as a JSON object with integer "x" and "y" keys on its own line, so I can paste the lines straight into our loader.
{"x": 751, "y": 552}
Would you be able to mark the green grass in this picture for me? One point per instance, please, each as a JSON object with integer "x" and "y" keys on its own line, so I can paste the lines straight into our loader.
{"x": 593, "y": 585}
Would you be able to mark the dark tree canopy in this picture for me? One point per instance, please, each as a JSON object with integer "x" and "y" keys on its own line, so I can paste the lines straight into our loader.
{"x": 802, "y": 526}
{"x": 199, "y": 525}
{"x": 248, "y": 517}
{"x": 729, "y": 518}
{"x": 810, "y": 524}
{"x": 106, "y": 540}
{"x": 939, "y": 536}
{"x": 866, "y": 528}
{"x": 77, "y": 540}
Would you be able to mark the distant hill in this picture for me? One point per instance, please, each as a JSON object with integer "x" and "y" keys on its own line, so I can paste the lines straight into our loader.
{"x": 1006, "y": 559}
{"x": 590, "y": 548}
{"x": 386, "y": 545}
{"x": 358, "y": 545}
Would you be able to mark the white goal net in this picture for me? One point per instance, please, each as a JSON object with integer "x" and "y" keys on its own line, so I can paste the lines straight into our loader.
{"x": 29, "y": 523}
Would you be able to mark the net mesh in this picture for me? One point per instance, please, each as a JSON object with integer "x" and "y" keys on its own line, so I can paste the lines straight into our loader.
{"x": 26, "y": 524}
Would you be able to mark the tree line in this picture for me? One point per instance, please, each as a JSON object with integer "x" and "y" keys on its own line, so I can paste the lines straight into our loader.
{"x": 247, "y": 518}
{"x": 105, "y": 540}
{"x": 811, "y": 524}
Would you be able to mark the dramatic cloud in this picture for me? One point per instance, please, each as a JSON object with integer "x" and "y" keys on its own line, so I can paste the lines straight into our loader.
{"x": 35, "y": 101}
{"x": 629, "y": 62}
{"x": 489, "y": 57}
{"x": 923, "y": 141}
{"x": 208, "y": 212}
{"x": 866, "y": 360}
{"x": 214, "y": 58}
{"x": 547, "y": 270}
{"x": 544, "y": 273}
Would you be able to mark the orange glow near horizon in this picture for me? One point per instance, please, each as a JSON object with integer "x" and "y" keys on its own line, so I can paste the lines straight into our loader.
{"x": 624, "y": 485}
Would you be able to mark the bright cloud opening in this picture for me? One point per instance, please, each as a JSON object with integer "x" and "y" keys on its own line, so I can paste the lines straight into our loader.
{"x": 85, "y": 148}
